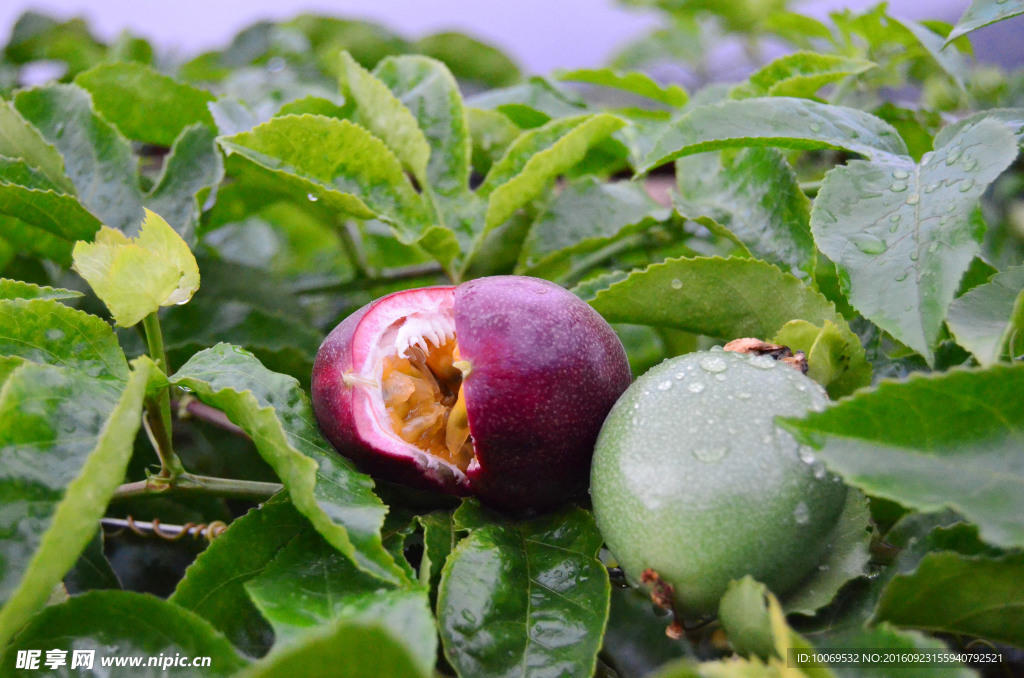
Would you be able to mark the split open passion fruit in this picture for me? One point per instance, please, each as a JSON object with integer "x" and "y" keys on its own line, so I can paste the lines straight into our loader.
{"x": 497, "y": 387}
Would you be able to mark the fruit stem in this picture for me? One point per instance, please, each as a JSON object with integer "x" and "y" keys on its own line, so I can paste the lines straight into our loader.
{"x": 158, "y": 408}
{"x": 355, "y": 256}
{"x": 188, "y": 483}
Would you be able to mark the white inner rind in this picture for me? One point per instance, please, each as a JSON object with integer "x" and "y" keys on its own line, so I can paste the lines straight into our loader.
{"x": 392, "y": 328}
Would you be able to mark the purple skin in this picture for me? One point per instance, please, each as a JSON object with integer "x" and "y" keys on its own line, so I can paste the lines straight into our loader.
{"x": 545, "y": 369}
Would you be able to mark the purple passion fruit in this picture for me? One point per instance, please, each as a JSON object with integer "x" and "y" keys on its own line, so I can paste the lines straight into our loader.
{"x": 497, "y": 387}
{"x": 692, "y": 478}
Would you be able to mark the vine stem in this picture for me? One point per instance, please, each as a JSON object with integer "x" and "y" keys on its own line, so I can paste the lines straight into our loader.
{"x": 384, "y": 276}
{"x": 188, "y": 483}
{"x": 158, "y": 409}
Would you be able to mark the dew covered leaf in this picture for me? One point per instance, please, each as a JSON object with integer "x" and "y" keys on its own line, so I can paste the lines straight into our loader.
{"x": 932, "y": 442}
{"x": 66, "y": 440}
{"x": 727, "y": 299}
{"x": 774, "y": 121}
{"x": 901, "y": 232}
{"x": 985, "y": 318}
{"x": 275, "y": 412}
{"x": 755, "y": 195}
{"x": 525, "y": 599}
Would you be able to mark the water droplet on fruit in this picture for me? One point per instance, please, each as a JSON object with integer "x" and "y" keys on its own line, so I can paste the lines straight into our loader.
{"x": 815, "y": 127}
{"x": 913, "y": 199}
{"x": 868, "y": 244}
{"x": 695, "y": 387}
{"x": 806, "y": 454}
{"x": 900, "y": 174}
{"x": 665, "y": 385}
{"x": 312, "y": 198}
{"x": 953, "y": 156}
{"x": 801, "y": 514}
{"x": 820, "y": 472}
{"x": 709, "y": 455}
{"x": 763, "y": 362}
{"x": 743, "y": 395}
{"x": 636, "y": 421}
{"x": 677, "y": 284}
{"x": 680, "y": 376}
{"x": 898, "y": 186}
{"x": 712, "y": 364}
{"x": 966, "y": 185}
{"x": 719, "y": 377}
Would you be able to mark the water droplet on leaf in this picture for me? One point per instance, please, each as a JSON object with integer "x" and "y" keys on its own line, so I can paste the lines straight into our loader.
{"x": 913, "y": 199}
{"x": 953, "y": 156}
{"x": 900, "y": 174}
{"x": 898, "y": 186}
{"x": 966, "y": 185}
{"x": 312, "y": 198}
{"x": 868, "y": 244}
{"x": 677, "y": 284}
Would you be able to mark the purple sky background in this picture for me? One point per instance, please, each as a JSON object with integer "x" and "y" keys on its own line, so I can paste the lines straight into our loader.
{"x": 541, "y": 35}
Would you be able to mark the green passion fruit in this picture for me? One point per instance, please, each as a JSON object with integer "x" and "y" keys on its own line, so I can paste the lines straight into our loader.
{"x": 693, "y": 479}
{"x": 497, "y": 387}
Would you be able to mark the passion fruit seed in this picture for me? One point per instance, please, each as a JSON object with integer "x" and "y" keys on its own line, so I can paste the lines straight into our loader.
{"x": 699, "y": 484}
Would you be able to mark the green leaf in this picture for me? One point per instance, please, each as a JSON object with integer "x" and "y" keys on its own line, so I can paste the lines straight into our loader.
{"x": 984, "y": 319}
{"x": 727, "y": 299}
{"x": 886, "y": 636}
{"x": 829, "y": 360}
{"x": 492, "y": 133}
{"x": 1011, "y": 118}
{"x": 950, "y": 61}
{"x": 984, "y": 12}
{"x": 635, "y": 82}
{"x": 354, "y": 649}
{"x": 536, "y": 158}
{"x": 92, "y": 571}
{"x": 439, "y": 538}
{"x": 309, "y": 584}
{"x": 16, "y": 289}
{"x": 800, "y": 74}
{"x": 19, "y": 139}
{"x": 29, "y": 196}
{"x": 900, "y": 232}
{"x": 67, "y": 440}
{"x": 50, "y": 333}
{"x": 525, "y": 599}
{"x": 427, "y": 89}
{"x": 952, "y": 593}
{"x": 193, "y": 165}
{"x": 846, "y": 558}
{"x": 933, "y": 442}
{"x": 583, "y": 217}
{"x": 337, "y": 163}
{"x": 124, "y": 624}
{"x": 753, "y": 620}
{"x": 774, "y": 121}
{"x": 214, "y": 584}
{"x": 97, "y": 158}
{"x": 635, "y": 642}
{"x": 17, "y": 236}
{"x": 756, "y": 196}
{"x": 274, "y": 411}
{"x": 386, "y": 116}
{"x": 135, "y": 277}
{"x": 144, "y": 104}
{"x": 531, "y": 104}
{"x": 469, "y": 59}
